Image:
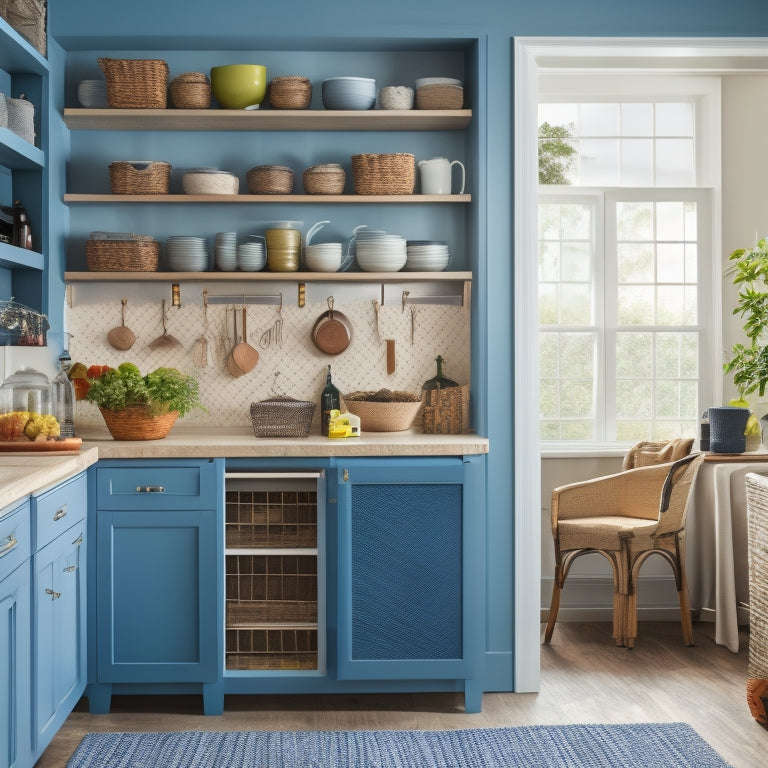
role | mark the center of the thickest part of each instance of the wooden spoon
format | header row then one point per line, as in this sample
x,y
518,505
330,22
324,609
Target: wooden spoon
x,y
120,337
232,366
244,355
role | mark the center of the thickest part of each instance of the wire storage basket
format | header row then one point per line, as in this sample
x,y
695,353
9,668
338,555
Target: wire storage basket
x,y
151,179
326,179
121,252
135,83
270,180
191,90
282,417
392,174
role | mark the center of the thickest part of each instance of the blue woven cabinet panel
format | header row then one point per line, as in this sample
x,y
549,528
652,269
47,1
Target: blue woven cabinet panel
x,y
406,572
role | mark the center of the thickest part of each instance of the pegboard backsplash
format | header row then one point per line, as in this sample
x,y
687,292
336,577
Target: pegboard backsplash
x,y
291,365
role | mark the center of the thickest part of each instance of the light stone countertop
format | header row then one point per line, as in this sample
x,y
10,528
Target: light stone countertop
x,y
22,474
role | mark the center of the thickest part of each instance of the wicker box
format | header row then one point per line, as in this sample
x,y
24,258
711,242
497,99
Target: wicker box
x,y
28,18
393,174
439,96
191,90
126,179
446,411
270,180
290,92
122,253
135,83
282,417
326,179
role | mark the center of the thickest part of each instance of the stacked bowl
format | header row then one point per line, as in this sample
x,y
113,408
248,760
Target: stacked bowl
x,y
323,257
378,251
251,256
92,94
185,253
427,256
225,251
349,93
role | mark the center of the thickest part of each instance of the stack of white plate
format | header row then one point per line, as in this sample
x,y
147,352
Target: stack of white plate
x,y
323,257
92,94
349,93
427,256
225,250
251,257
377,251
185,253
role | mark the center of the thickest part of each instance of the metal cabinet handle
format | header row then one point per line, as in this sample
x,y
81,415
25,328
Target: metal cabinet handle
x,y
71,568
150,489
8,546
54,595
78,541
61,512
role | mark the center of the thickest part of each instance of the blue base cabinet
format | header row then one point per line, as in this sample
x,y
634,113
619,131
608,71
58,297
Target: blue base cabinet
x,y
158,577
410,577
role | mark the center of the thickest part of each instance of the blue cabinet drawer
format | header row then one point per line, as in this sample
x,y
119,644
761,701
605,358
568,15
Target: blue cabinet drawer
x,y
56,510
181,484
15,539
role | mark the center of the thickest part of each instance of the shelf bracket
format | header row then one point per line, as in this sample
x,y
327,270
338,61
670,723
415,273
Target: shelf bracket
x,y
302,294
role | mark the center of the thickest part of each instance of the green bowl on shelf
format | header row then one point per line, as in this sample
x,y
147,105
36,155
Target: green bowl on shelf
x,y
237,86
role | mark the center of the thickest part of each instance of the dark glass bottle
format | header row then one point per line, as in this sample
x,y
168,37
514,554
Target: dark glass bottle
x,y
330,400
439,381
22,232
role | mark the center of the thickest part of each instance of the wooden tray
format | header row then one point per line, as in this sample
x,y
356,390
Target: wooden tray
x,y
66,445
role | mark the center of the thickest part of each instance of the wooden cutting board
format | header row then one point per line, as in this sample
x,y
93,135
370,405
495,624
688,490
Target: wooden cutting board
x,y
65,445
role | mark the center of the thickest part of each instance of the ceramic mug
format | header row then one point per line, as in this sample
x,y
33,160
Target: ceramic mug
x,y
435,176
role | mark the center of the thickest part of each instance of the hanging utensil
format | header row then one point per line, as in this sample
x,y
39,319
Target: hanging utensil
x,y
201,353
121,337
244,355
332,332
165,341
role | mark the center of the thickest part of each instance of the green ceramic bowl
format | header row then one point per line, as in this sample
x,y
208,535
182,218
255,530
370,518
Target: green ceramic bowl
x,y
237,86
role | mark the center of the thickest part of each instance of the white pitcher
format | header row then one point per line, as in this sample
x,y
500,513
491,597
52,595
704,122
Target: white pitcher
x,y
435,175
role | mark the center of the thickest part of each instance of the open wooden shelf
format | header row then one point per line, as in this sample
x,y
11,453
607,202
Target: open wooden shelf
x,y
302,277
73,198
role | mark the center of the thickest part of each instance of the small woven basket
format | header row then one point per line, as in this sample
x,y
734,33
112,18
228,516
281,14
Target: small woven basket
x,y
195,183
21,118
126,179
135,422
290,92
28,18
393,174
446,411
282,417
383,417
327,179
439,96
726,429
270,180
128,253
135,83
191,90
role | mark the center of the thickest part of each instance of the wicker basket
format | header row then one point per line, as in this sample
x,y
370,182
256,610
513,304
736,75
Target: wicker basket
x,y
439,97
126,253
328,179
282,417
270,180
203,183
135,83
383,417
135,422
21,118
191,90
446,411
393,174
126,179
27,17
290,92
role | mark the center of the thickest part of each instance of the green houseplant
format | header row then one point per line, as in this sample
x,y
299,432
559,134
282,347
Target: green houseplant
x,y
137,407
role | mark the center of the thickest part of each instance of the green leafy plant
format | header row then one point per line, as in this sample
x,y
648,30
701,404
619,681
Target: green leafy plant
x,y
555,153
749,362
162,390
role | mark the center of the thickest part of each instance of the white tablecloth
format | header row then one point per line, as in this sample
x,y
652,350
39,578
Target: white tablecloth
x,y
716,554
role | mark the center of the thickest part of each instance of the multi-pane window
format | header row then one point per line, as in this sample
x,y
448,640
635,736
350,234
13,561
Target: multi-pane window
x,y
623,275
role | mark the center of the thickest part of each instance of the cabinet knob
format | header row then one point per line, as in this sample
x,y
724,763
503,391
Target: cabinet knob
x,y
150,489
10,544
54,595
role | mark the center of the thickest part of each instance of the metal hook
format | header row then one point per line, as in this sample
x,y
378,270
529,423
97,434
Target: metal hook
x,y
405,299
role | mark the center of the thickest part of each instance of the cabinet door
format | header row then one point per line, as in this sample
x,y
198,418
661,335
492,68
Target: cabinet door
x,y
409,585
59,638
157,586
15,729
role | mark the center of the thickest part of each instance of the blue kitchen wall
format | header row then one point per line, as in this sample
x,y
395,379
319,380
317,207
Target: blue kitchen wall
x,y
488,25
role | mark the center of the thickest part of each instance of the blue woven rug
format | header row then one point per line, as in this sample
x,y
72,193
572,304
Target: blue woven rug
x,y
647,745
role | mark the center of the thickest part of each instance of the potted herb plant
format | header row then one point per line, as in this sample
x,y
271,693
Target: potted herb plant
x,y
137,407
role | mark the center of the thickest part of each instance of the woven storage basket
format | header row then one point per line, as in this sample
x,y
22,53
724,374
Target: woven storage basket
x,y
135,422
290,92
135,83
393,174
446,411
223,183
270,180
125,179
134,253
282,417
27,17
191,90
21,118
328,179
726,429
383,417
439,97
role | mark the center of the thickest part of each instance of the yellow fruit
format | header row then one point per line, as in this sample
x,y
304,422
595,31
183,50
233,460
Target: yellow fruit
x,y
77,371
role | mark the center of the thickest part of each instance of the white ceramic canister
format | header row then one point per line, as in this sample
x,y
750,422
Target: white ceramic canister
x,y
435,176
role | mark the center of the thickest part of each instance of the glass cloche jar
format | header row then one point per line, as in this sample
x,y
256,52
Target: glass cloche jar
x,y
26,390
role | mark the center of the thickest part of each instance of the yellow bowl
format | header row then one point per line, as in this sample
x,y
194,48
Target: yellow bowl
x,y
237,86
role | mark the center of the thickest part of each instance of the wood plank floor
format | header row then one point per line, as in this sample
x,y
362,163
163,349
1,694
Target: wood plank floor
x,y
585,678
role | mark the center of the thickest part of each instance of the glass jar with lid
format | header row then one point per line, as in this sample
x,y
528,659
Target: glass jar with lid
x,y
26,390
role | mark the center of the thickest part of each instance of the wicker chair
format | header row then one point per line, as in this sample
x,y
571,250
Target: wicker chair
x,y
646,453
625,517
